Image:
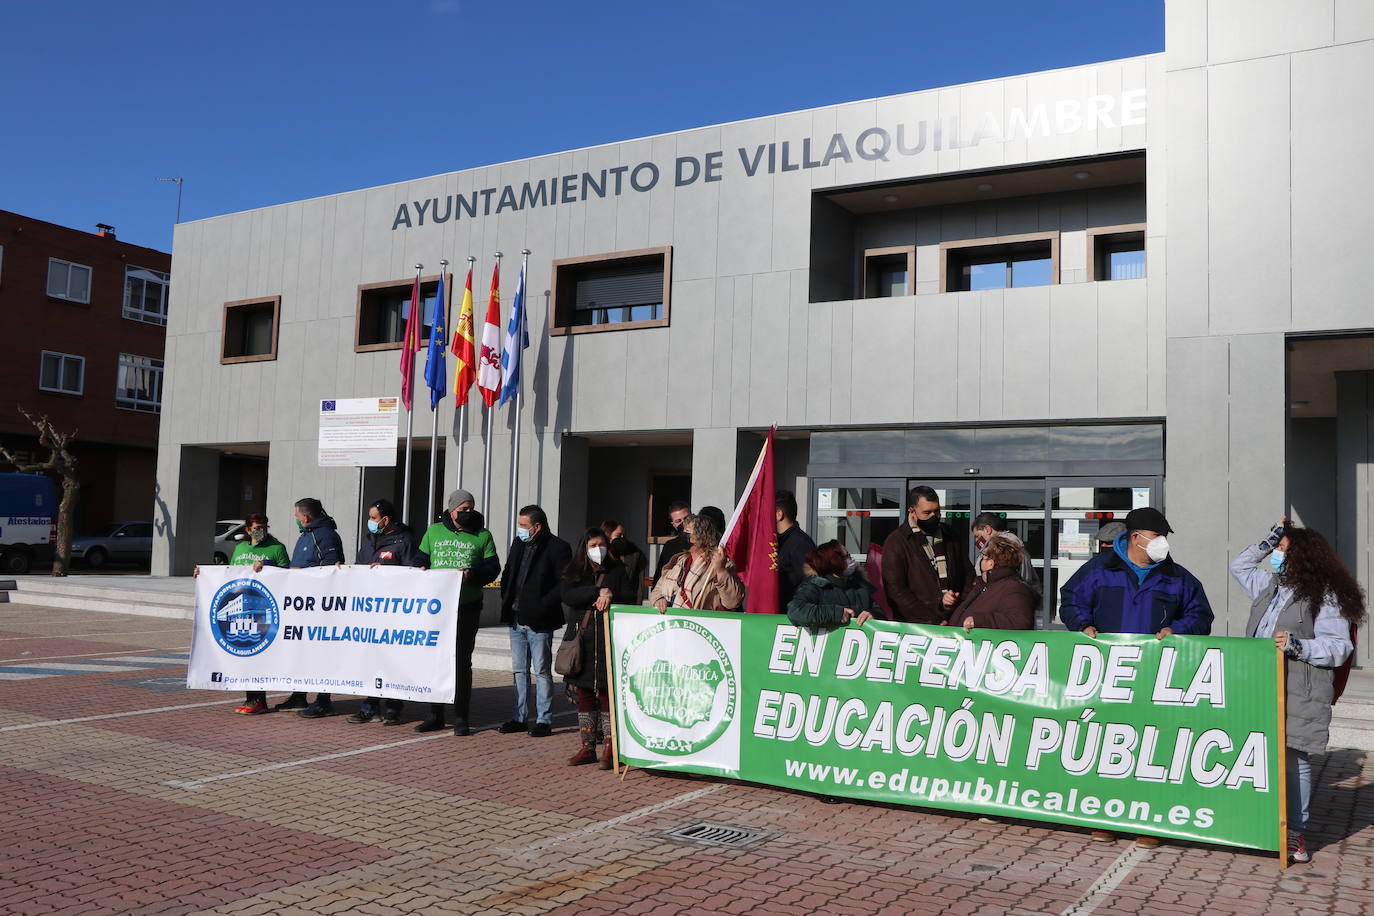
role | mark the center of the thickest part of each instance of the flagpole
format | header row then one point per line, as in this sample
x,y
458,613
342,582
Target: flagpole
x,y
519,395
410,412
460,425
434,408
486,461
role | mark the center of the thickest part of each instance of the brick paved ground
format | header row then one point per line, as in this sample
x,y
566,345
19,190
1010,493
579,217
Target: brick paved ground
x,y
123,814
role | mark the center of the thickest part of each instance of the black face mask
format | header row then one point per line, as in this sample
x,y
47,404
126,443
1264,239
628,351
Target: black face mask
x,y
929,525
469,521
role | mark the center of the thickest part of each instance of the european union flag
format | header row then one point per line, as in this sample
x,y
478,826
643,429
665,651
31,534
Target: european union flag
x,y
436,373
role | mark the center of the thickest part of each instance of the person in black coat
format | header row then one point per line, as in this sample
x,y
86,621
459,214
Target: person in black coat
x,y
592,582
388,542
678,510
532,606
628,554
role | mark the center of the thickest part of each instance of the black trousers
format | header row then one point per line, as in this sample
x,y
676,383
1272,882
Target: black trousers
x,y
469,621
390,706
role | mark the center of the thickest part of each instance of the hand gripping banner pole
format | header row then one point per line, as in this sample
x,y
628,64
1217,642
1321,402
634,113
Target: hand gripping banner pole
x,y
610,692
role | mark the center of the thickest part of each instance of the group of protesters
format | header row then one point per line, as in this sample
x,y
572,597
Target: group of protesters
x,y
1304,599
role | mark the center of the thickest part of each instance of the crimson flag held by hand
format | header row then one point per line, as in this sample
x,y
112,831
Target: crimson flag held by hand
x,y
751,537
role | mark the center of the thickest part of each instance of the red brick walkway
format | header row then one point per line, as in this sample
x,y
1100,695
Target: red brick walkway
x,y
144,813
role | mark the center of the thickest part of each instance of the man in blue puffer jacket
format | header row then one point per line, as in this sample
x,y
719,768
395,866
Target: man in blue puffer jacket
x,y
1137,587
319,544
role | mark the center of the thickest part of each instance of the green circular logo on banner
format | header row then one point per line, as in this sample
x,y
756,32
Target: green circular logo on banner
x,y
679,692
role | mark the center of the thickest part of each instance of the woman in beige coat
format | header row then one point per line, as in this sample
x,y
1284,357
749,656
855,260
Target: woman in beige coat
x,y
701,577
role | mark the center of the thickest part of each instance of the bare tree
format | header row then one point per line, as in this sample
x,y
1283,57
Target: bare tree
x,y
60,461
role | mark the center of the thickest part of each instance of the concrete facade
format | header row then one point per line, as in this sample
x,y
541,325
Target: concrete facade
x,y
1244,152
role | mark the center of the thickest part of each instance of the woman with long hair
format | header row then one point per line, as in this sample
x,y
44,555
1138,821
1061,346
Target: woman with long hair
x,y
592,582
702,576
1310,605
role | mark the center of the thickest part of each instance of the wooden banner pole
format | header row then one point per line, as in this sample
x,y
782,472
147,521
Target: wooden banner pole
x,y
610,691
1283,760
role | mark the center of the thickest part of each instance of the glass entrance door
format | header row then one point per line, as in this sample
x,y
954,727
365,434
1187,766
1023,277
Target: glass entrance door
x,y
1056,518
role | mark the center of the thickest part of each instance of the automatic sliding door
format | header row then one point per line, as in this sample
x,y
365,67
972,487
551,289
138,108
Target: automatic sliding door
x,y
1079,509
856,512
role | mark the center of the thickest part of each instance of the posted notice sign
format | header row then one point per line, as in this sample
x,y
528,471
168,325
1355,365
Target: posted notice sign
x,y
1176,737
359,432
386,631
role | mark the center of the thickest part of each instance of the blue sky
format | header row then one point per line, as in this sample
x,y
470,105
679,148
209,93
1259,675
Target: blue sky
x,y
259,103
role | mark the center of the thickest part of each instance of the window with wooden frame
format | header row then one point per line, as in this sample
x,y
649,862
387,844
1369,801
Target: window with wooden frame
x,y
1117,252
1003,262
889,272
611,292
383,309
250,330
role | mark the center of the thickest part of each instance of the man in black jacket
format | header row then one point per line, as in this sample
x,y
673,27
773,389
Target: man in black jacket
x,y
533,609
388,542
793,546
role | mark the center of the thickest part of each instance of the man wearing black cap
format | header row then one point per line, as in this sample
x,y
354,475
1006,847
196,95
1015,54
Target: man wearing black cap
x,y
1136,588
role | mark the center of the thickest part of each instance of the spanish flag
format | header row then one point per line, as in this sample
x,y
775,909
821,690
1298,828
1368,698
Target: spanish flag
x,y
464,347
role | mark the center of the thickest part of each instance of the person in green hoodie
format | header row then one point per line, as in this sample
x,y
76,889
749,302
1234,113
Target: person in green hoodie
x,y
460,540
257,549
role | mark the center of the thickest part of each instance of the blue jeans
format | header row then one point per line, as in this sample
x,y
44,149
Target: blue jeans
x,y
1299,790
532,647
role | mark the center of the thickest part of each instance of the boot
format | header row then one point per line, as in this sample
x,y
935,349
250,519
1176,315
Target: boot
x,y
607,762
586,729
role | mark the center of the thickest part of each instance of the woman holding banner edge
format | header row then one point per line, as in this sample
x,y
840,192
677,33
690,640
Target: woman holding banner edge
x,y
1310,605
592,582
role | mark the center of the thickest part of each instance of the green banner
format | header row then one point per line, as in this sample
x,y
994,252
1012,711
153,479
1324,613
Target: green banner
x,y
1176,737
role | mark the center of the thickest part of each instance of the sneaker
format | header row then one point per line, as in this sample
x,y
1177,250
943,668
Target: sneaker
x,y
1148,842
513,726
460,729
430,725
361,716
586,754
316,711
1103,836
391,719
541,730
1297,848
255,708
295,701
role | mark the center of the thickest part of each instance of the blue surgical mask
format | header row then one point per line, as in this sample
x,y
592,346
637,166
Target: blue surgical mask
x,y
522,533
1278,559
374,527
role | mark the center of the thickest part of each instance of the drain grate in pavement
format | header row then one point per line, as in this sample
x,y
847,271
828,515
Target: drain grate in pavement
x,y
719,835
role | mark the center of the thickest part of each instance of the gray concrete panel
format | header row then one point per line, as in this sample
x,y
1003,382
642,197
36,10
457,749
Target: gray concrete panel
x,y
1354,20
1249,255
1246,29
884,349
1332,197
1124,365
1198,455
1026,353
1074,350
1186,173
713,468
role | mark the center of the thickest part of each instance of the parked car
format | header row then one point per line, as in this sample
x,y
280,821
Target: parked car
x,y
120,542
28,510
228,533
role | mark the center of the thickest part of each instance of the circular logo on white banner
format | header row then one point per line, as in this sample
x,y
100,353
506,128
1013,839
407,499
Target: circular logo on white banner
x,y
244,617
679,690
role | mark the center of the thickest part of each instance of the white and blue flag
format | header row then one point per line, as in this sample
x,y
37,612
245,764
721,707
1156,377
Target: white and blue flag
x,y
517,340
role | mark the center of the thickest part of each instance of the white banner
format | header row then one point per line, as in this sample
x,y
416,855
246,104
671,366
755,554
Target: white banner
x,y
386,631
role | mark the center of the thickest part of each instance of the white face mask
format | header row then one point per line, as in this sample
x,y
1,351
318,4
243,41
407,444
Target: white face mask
x,y
1157,549
850,565
596,554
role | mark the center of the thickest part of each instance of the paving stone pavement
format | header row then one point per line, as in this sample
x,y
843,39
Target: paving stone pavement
x,y
122,797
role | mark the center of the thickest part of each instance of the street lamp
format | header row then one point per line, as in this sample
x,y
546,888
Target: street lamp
x,y
178,182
